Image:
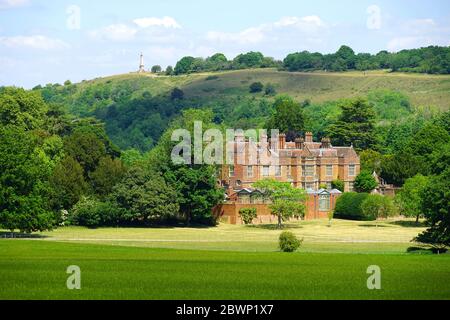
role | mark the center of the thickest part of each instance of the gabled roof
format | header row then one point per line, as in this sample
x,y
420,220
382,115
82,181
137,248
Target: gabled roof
x,y
346,152
323,191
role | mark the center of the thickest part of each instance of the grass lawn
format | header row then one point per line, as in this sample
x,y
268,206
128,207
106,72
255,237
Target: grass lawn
x,y
226,262
36,270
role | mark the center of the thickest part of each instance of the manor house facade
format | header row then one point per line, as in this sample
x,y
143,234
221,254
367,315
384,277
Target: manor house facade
x,y
304,163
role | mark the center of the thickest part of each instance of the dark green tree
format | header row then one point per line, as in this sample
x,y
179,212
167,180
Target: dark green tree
x,y
107,174
287,117
436,209
256,87
185,65
355,125
144,197
169,71
195,184
68,184
156,69
396,169
86,148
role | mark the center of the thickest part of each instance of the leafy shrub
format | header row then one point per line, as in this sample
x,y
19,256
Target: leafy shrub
x,y
348,206
85,213
256,87
177,94
209,78
338,185
270,90
376,206
365,182
92,213
288,242
248,214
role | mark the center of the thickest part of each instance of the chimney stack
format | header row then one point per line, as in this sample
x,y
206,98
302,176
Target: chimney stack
x,y
309,137
299,143
326,143
282,141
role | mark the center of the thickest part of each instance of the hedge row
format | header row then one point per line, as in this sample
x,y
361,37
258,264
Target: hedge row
x,y
348,206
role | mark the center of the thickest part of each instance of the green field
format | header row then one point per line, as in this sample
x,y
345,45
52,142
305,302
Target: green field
x,y
227,262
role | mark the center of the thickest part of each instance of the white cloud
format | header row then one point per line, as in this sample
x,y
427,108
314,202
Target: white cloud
x,y
269,32
307,23
166,22
158,30
115,32
9,4
247,36
419,33
34,42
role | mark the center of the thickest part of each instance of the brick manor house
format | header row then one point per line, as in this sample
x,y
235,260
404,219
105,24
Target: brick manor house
x,y
304,163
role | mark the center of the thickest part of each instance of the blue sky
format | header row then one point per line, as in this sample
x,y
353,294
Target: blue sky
x,y
43,41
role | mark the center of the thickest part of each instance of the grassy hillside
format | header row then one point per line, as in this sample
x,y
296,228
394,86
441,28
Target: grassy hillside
x,y
137,108
422,89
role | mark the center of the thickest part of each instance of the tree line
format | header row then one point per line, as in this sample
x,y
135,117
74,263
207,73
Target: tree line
x,y
432,60
57,169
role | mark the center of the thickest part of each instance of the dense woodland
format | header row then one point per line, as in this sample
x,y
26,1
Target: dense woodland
x,y
433,60
106,160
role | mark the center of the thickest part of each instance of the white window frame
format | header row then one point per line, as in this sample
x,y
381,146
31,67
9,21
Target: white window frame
x,y
351,170
277,171
329,170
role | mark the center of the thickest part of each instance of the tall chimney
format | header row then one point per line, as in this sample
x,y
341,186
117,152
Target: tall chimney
x,y
326,143
309,137
299,143
281,141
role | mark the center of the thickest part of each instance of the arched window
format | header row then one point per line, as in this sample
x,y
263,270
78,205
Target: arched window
x,y
324,202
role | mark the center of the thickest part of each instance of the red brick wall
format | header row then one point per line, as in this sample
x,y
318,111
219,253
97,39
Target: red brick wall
x,y
229,212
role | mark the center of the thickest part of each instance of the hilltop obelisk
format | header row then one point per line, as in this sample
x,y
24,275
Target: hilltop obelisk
x,y
141,64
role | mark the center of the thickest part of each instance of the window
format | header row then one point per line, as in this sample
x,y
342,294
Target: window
x,y
278,171
309,171
324,202
351,170
249,171
329,170
351,186
309,186
231,171
289,171
266,170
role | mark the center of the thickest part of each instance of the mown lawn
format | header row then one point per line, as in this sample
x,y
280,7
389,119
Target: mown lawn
x,y
35,269
390,237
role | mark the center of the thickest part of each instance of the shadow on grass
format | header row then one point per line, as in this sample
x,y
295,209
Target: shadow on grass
x,y
409,224
20,235
274,226
156,226
373,226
